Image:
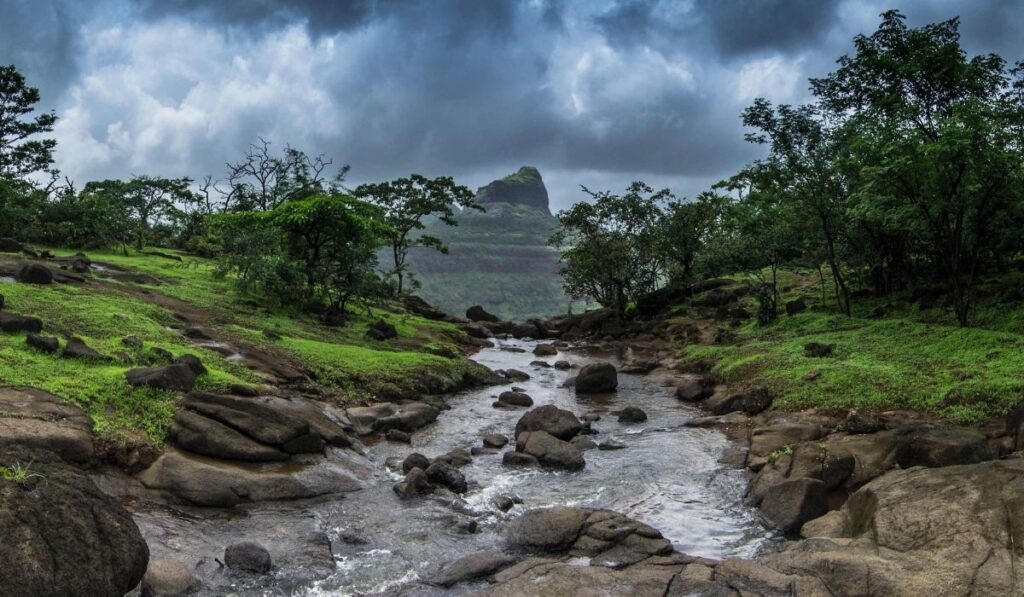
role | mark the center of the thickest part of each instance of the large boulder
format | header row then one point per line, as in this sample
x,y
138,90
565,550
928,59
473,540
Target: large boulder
x,y
515,399
168,578
546,530
472,567
550,451
36,419
34,273
545,350
380,417
941,446
788,505
43,343
76,348
560,423
478,313
9,245
249,557
694,387
12,323
177,376
446,475
62,535
596,378
751,400
193,432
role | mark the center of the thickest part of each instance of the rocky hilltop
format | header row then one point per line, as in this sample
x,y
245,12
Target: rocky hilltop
x,y
498,258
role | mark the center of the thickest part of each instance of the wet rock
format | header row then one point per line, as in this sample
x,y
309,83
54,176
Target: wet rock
x,y
34,273
378,418
516,375
545,530
76,348
12,323
610,445
478,313
515,399
381,330
43,343
788,505
550,451
632,414
583,443
207,482
596,378
475,330
513,349
503,503
250,557
751,400
63,536
560,423
456,457
35,419
472,567
858,421
768,438
415,460
525,331
495,440
563,365
935,447
540,364
448,476
196,433
482,451
518,459
414,485
545,350
818,350
168,578
170,377
694,387
394,435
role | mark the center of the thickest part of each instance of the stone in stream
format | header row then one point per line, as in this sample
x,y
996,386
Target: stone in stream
x,y
632,414
545,350
597,378
495,440
472,567
378,418
515,399
168,578
394,435
694,387
517,459
415,460
456,457
788,505
478,313
563,365
550,451
248,556
448,476
752,400
540,364
610,445
516,375
503,502
415,484
43,343
583,443
560,423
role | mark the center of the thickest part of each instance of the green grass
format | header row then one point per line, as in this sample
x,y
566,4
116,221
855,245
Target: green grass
x,y
901,362
18,473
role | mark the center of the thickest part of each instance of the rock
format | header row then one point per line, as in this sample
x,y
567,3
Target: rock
x,y
503,502
751,400
934,447
563,365
472,567
596,378
768,438
196,333
11,323
268,421
788,505
250,557
540,364
207,482
560,423
192,362
545,350
380,417
516,375
610,445
448,476
525,331
80,265
394,435
170,377
545,530
414,485
34,273
475,330
63,536
515,399
43,343
694,387
550,451
495,440
381,330
478,313
35,419
796,307
132,342
632,414
817,349
201,435
76,348
415,460
9,245
243,390
456,457
417,305
159,355
168,578
516,459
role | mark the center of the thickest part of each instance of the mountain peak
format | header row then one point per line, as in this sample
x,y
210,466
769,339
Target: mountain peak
x,y
524,187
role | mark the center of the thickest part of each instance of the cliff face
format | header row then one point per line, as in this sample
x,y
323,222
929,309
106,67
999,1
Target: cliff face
x,y
498,258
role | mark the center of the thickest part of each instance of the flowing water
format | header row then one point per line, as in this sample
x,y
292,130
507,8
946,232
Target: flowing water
x,y
370,542
667,476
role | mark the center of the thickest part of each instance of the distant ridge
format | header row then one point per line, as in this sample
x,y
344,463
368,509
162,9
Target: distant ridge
x,y
525,187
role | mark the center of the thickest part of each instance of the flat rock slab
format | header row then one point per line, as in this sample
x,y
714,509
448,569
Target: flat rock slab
x,y
380,417
37,419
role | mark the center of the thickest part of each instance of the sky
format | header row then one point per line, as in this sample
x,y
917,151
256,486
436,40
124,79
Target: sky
x,y
592,92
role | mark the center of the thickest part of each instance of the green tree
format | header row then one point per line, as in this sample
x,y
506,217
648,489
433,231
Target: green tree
x,y
262,181
610,248
406,203
144,200
685,228
21,151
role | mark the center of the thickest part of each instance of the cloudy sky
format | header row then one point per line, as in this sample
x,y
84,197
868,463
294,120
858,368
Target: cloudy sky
x,y
595,92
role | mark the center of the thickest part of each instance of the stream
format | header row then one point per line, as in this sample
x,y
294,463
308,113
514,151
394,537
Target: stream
x,y
371,542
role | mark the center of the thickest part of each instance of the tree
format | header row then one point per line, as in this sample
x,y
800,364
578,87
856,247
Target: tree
x,y
21,153
684,229
261,181
610,249
938,141
405,203
144,199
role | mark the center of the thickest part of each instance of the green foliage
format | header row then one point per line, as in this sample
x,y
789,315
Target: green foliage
x,y
21,153
18,473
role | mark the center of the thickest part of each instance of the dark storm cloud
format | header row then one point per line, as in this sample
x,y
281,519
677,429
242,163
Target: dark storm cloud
x,y
592,91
